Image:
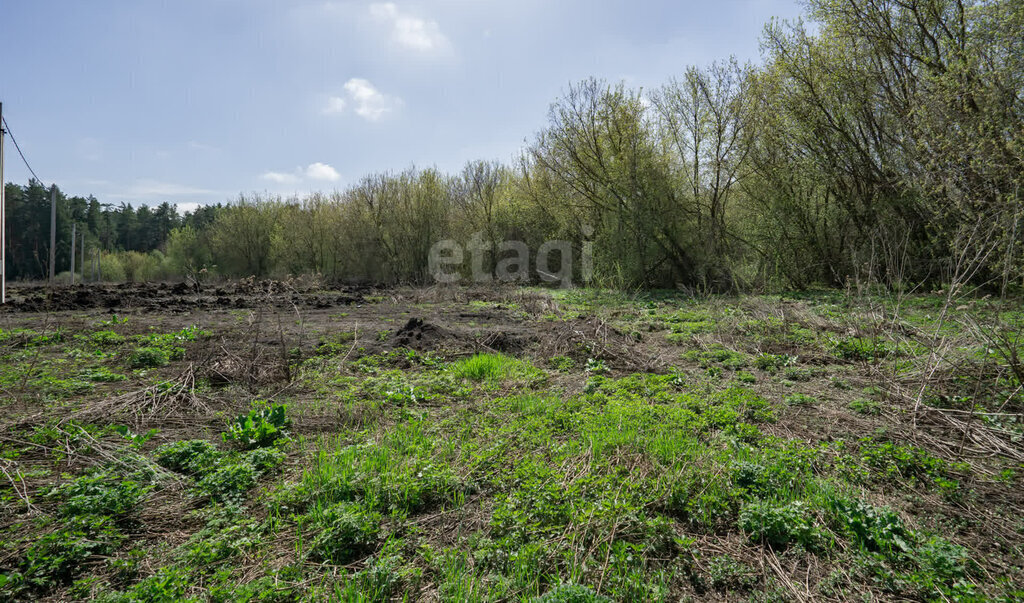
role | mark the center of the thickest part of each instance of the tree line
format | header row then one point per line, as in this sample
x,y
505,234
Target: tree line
x,y
880,140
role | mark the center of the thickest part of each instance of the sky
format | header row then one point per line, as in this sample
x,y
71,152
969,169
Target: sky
x,y
198,101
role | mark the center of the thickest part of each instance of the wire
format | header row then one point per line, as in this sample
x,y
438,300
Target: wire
x,y
8,130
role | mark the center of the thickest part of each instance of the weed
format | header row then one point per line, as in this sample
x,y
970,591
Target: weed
x,y
799,399
780,526
262,426
148,357
866,406
344,533
571,593
191,457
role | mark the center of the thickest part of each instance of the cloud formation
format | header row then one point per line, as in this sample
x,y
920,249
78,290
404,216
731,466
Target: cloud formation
x,y
365,99
317,171
409,31
322,171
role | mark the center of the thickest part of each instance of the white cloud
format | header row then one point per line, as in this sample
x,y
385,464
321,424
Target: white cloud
x,y
414,33
322,171
184,208
370,104
335,104
280,177
314,171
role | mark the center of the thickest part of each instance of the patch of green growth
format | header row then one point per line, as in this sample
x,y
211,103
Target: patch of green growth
x,y
571,593
229,532
262,426
228,483
106,339
400,473
726,573
745,377
562,364
771,363
190,457
683,325
342,533
58,557
797,374
717,355
781,525
494,368
339,343
148,357
866,406
169,583
865,349
102,494
799,399
102,374
897,463
875,529
596,366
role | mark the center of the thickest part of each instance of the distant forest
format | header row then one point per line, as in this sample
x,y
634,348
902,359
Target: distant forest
x,y
884,143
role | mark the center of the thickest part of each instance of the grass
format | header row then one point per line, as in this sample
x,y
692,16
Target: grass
x,y
762,452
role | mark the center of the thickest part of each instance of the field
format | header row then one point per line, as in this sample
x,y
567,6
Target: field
x,y
275,441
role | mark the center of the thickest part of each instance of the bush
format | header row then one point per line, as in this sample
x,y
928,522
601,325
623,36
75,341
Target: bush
x,y
261,427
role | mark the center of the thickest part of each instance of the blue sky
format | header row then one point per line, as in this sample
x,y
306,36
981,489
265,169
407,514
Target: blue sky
x,y
196,101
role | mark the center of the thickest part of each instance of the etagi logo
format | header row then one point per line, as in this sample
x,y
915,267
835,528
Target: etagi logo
x,y
448,257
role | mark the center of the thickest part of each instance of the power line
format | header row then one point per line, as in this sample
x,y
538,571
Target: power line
x,y
9,133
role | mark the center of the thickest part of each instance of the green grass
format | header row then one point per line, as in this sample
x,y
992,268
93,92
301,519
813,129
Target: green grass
x,y
492,368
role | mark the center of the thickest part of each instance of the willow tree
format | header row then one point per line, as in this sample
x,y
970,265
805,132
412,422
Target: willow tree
x,y
599,142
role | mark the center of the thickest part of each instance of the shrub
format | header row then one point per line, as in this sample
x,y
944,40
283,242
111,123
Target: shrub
x,y
261,427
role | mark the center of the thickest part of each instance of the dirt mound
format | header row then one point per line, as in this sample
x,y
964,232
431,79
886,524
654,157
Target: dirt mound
x,y
420,335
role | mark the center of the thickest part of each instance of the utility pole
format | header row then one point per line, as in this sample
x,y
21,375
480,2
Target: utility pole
x,y
73,241
53,234
3,216
83,254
